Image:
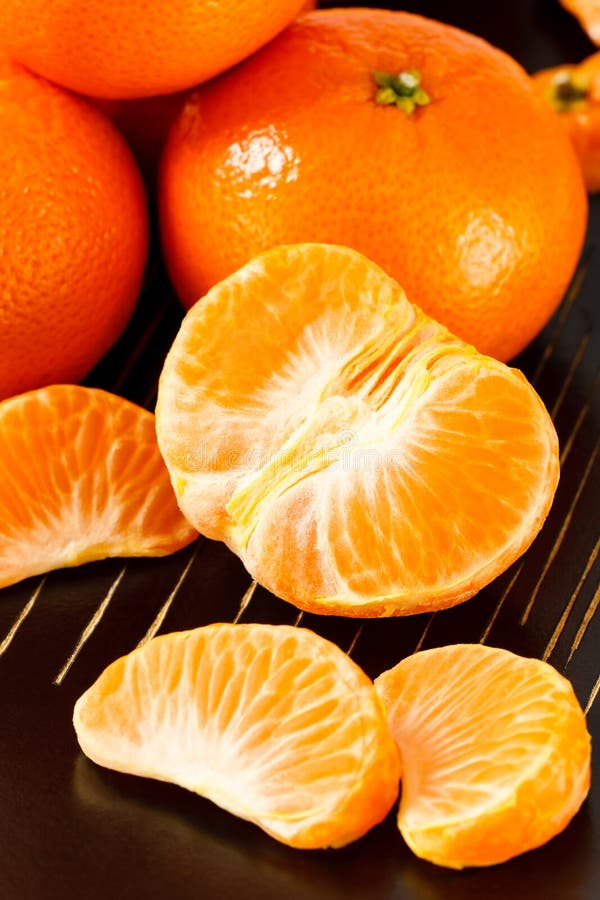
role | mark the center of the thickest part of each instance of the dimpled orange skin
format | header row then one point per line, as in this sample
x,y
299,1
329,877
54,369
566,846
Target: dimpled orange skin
x,y
474,203
579,117
73,233
111,48
145,122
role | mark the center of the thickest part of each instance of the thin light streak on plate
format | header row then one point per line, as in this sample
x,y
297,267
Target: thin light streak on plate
x,y
21,617
579,422
579,354
571,603
425,632
589,615
248,595
90,627
354,640
501,603
593,695
561,535
160,617
563,315
141,344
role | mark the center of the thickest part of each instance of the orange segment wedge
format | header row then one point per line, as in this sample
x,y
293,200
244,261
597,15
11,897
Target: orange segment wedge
x,y
81,478
273,723
495,752
359,458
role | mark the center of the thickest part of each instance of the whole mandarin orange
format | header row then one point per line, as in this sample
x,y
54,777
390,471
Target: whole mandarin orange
x,y
73,233
419,145
108,48
573,92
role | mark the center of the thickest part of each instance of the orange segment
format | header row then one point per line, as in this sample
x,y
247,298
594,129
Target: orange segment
x,y
81,478
495,752
273,723
358,457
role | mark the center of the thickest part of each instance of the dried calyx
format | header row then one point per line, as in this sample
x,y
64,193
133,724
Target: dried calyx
x,y
566,90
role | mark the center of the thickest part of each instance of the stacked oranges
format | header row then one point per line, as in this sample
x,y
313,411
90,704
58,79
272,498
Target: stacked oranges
x,y
417,144
74,231
317,165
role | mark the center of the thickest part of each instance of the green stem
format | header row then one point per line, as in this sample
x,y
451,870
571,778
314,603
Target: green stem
x,y
402,90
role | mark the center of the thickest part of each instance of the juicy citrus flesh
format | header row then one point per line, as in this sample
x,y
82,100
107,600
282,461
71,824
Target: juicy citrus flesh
x,y
588,13
106,48
273,723
73,234
359,458
81,478
495,752
460,201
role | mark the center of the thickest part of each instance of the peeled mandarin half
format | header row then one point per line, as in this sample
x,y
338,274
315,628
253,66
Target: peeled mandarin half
x,y
359,458
273,723
495,752
81,478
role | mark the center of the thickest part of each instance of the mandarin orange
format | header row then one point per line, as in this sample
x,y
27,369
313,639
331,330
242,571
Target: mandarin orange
x,y
73,233
145,122
588,14
413,142
573,91
495,752
358,457
81,479
107,48
273,723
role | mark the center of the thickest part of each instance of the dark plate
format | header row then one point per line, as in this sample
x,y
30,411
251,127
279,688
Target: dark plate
x,y
71,830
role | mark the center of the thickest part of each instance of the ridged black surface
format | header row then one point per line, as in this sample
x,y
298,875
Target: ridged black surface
x,y
71,830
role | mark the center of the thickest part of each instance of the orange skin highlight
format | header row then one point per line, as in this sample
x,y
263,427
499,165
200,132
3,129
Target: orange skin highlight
x,y
458,199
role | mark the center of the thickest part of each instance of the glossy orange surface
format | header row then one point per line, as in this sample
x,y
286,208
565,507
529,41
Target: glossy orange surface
x,y
458,201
